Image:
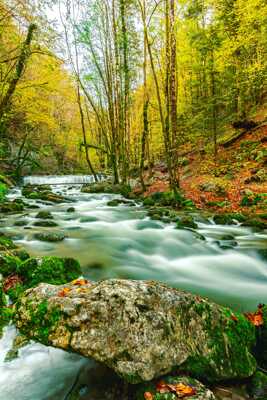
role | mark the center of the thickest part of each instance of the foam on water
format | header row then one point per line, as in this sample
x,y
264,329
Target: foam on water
x,y
39,373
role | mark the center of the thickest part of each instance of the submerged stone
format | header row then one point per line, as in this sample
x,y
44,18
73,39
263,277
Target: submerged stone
x,y
50,236
186,222
45,223
140,329
44,215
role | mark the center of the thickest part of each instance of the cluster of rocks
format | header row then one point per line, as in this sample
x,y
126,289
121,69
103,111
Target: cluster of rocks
x,y
43,192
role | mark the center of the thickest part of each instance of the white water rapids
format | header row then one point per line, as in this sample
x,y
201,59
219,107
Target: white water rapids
x,y
123,242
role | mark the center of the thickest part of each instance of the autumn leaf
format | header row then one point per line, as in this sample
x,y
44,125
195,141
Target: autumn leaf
x,y
80,282
64,292
11,282
257,317
184,390
148,396
179,389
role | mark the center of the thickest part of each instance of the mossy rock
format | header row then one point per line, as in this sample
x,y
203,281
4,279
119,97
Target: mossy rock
x,y
8,264
44,215
11,207
6,243
239,217
53,270
190,333
21,222
27,268
3,191
114,203
45,223
223,219
148,201
257,387
42,193
70,210
21,254
186,222
50,236
255,223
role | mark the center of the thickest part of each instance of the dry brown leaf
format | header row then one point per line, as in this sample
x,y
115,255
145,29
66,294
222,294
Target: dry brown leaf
x,y
64,292
257,317
80,282
148,396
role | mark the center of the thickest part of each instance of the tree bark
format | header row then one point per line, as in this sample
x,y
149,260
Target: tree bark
x,y
20,67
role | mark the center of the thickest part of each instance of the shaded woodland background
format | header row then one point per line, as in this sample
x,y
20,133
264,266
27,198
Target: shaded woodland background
x,y
122,86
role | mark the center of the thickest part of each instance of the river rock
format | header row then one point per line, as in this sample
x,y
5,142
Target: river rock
x,y
45,223
44,215
50,236
140,329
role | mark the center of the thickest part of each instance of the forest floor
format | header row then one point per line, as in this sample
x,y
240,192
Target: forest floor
x,y
236,183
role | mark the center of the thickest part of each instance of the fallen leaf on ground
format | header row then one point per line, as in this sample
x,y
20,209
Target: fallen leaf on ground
x,y
148,396
256,318
179,389
11,282
80,282
64,292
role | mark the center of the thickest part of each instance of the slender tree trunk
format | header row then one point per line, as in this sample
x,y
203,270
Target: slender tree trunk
x,y
21,64
84,135
126,91
173,96
214,108
145,111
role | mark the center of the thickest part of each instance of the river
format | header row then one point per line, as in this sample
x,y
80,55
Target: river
x,y
123,242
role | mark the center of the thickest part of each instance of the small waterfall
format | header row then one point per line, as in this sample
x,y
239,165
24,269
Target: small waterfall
x,y
60,179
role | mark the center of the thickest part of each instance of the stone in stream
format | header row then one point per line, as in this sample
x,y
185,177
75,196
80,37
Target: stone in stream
x,y
50,236
70,209
42,193
140,329
45,223
44,215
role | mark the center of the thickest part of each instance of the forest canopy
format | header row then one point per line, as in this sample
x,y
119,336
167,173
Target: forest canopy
x,y
119,85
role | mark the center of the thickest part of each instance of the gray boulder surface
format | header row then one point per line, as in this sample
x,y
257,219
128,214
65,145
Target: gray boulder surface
x,y
140,329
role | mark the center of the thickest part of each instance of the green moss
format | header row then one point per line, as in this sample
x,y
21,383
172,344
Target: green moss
x,y
26,269
257,387
54,270
43,318
6,313
3,191
231,339
6,243
8,264
186,222
45,223
44,215
15,292
223,219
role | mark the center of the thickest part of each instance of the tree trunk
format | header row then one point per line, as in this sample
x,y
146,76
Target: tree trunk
x,y
21,64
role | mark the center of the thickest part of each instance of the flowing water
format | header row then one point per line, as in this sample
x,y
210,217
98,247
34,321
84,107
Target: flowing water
x,y
122,242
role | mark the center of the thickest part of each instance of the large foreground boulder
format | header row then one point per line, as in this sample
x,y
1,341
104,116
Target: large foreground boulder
x,y
141,329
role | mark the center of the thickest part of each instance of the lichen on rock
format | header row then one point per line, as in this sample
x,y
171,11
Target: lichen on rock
x,y
140,329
